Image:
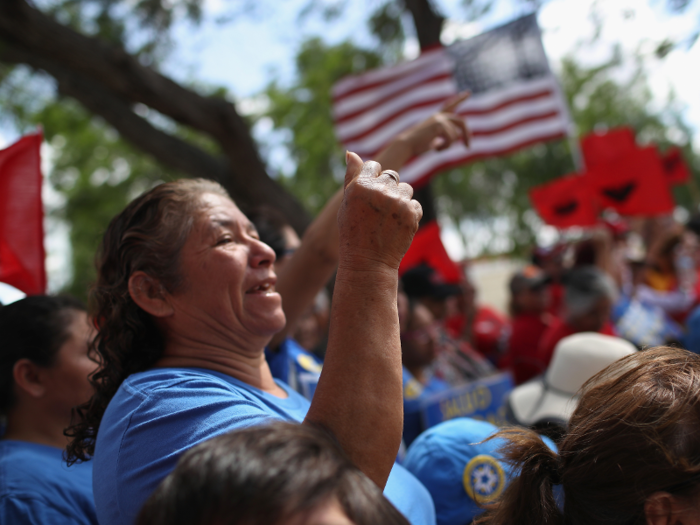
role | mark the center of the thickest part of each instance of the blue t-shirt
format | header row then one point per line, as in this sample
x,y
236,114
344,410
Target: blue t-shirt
x,y
296,366
37,487
414,393
692,337
157,415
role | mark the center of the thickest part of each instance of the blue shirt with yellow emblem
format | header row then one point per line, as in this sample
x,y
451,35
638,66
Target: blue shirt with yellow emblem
x,y
296,366
414,393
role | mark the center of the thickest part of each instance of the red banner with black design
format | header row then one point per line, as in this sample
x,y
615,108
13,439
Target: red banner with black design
x,y
634,184
603,148
565,202
620,175
21,216
675,168
427,248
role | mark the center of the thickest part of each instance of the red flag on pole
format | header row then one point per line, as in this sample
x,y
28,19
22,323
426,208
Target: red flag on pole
x,y
603,148
675,167
565,202
21,216
634,184
427,248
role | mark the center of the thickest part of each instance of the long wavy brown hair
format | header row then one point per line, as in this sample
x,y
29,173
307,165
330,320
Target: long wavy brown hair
x,y
147,236
635,431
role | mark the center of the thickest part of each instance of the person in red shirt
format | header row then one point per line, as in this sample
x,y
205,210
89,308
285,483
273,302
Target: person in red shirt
x,y
530,319
589,294
481,327
552,262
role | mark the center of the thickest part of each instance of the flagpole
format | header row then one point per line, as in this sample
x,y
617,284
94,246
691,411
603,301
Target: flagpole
x,y
574,145
576,153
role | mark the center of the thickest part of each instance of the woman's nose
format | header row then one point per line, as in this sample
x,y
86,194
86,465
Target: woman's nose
x,y
261,254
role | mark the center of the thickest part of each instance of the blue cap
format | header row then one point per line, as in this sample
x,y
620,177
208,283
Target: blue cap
x,y
458,469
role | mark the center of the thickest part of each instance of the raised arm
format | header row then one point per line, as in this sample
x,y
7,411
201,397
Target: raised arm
x,y
359,395
313,264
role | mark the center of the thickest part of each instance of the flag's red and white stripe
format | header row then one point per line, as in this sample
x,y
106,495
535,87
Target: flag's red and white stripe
x,y
373,108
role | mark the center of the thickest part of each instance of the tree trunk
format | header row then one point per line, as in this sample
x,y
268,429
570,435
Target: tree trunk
x,y
428,25
109,82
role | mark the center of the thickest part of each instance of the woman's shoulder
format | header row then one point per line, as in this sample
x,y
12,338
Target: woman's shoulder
x,y
164,378
161,391
171,382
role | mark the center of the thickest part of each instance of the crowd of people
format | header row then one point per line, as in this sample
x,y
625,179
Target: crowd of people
x,y
215,379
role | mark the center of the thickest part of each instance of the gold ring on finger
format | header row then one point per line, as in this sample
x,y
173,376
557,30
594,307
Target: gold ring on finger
x,y
392,174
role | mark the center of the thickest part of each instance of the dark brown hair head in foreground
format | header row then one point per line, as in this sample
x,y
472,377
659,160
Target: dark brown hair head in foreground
x,y
632,449
266,475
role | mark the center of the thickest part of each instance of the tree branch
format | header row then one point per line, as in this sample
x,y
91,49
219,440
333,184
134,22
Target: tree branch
x,y
116,80
427,21
428,24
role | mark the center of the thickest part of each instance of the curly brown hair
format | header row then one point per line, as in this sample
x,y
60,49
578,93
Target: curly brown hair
x,y
635,432
147,236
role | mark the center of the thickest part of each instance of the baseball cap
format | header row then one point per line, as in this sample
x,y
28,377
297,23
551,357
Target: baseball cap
x,y
528,278
552,396
459,469
424,281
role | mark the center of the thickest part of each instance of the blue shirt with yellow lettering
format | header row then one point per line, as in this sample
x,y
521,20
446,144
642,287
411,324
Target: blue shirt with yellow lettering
x,y
414,393
296,366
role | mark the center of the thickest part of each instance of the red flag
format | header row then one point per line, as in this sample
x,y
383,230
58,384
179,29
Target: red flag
x,y
634,184
21,216
427,248
603,148
564,202
675,167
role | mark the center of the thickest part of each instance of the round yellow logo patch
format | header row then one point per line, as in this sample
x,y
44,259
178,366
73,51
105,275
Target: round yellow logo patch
x,y
412,389
307,363
483,478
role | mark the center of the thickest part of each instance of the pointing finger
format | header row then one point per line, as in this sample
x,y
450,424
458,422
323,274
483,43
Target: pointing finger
x,y
464,130
453,103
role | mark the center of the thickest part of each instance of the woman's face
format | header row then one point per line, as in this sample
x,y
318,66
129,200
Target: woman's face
x,y
419,342
594,320
531,300
67,380
228,278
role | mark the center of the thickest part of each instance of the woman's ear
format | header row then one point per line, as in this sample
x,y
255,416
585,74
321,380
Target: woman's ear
x,y
662,508
28,378
149,294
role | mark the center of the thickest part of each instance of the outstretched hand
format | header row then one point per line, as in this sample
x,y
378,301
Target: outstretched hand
x,y
378,217
439,131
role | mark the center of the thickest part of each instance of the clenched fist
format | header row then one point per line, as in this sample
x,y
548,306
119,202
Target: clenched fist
x,y
377,219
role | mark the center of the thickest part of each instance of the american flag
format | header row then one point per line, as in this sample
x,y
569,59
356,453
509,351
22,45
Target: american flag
x,y
515,102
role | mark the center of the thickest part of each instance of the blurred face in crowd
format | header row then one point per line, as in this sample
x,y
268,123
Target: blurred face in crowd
x,y
437,307
419,342
67,382
466,301
553,265
291,243
310,328
594,319
532,300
